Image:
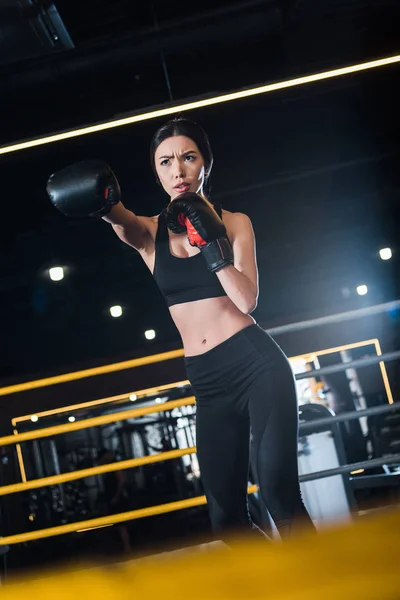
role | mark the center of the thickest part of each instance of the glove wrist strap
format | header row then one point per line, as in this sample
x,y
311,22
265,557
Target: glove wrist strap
x,y
218,254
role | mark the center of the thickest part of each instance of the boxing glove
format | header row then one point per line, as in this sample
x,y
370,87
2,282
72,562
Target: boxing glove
x,y
87,188
205,229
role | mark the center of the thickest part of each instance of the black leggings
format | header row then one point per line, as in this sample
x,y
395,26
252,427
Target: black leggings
x,y
244,383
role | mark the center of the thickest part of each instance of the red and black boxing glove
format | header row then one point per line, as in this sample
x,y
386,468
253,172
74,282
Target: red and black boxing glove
x,y
191,213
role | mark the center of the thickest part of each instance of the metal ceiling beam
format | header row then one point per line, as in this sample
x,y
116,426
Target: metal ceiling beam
x,y
30,29
265,19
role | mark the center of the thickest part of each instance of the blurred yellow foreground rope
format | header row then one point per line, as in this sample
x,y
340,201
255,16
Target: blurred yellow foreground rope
x,y
359,561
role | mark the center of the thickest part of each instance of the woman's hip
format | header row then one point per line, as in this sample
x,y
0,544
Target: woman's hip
x,y
234,362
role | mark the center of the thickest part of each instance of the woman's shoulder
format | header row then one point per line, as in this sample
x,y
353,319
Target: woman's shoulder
x,y
235,218
149,222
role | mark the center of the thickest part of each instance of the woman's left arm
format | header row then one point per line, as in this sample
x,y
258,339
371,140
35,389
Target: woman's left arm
x,y
240,280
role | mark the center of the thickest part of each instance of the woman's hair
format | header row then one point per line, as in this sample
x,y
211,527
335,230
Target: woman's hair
x,y
190,129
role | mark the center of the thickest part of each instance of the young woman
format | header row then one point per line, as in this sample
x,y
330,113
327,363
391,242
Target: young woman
x,y
203,259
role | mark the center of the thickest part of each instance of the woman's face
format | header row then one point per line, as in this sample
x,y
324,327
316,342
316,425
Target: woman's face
x,y
180,166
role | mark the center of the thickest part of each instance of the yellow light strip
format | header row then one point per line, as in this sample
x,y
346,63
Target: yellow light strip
x,y
20,461
112,368
92,528
94,421
385,378
109,400
100,469
109,520
358,471
336,349
374,342
346,347
247,93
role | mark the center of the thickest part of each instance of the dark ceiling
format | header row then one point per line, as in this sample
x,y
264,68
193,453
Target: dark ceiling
x,y
315,167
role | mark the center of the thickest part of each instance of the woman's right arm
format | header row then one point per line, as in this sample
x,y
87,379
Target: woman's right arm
x,y
130,228
90,188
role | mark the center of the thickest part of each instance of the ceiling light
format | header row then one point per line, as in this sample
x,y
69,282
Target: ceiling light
x,y
56,273
116,311
362,290
385,253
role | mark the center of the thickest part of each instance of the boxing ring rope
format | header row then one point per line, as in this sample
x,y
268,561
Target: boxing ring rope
x,y
138,412
174,506
131,515
304,429
360,561
354,364
171,454
101,420
343,469
349,416
112,368
144,393
337,318
146,360
99,470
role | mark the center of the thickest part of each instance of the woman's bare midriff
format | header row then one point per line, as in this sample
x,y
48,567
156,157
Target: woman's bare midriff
x,y
204,324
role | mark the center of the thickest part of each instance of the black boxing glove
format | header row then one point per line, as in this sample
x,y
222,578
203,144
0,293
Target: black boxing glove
x,y
87,188
191,213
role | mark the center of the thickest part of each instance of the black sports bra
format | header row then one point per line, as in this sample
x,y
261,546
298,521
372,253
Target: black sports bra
x,y
182,279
